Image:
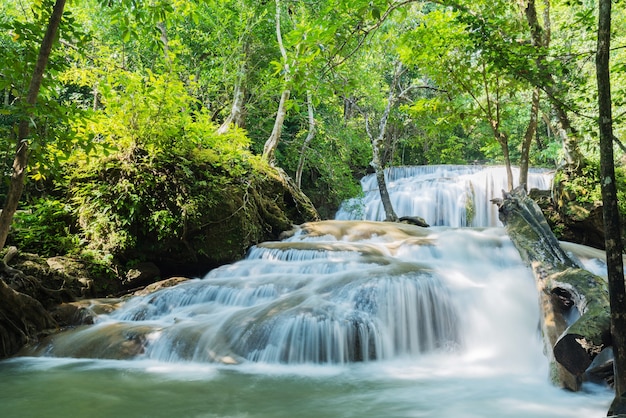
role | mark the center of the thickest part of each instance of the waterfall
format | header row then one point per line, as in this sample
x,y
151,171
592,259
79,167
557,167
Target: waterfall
x,y
456,196
344,318
335,292
322,296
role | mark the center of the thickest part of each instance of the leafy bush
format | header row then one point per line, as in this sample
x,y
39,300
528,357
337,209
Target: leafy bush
x,y
163,170
585,188
44,227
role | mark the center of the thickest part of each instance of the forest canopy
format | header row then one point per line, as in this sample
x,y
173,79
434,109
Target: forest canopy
x,y
135,92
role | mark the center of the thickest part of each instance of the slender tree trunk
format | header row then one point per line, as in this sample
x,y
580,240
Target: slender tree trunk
x,y
20,162
541,39
569,137
269,149
234,117
610,211
492,113
377,144
164,39
379,170
309,137
503,140
531,131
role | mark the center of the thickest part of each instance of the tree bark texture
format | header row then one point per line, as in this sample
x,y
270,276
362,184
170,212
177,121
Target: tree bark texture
x,y
376,163
574,302
378,143
610,211
269,149
236,111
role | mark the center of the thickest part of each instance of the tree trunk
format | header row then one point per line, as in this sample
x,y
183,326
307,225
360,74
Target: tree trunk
x,y
566,291
493,114
269,149
504,144
309,137
569,137
531,131
390,214
235,116
610,211
378,142
20,162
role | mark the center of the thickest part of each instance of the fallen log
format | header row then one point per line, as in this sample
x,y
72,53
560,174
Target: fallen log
x,y
574,302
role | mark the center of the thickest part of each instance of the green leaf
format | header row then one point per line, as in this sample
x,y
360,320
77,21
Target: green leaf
x,y
376,13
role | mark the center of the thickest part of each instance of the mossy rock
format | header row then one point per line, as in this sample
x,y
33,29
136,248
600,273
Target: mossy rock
x,y
243,215
185,215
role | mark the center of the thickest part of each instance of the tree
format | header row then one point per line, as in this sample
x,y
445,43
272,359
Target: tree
x,y
309,137
610,210
544,79
377,141
269,149
20,161
540,38
441,46
235,23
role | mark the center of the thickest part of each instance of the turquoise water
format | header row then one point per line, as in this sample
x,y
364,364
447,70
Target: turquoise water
x,y
438,386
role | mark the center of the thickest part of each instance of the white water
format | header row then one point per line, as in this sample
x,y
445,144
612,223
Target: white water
x,y
455,196
346,318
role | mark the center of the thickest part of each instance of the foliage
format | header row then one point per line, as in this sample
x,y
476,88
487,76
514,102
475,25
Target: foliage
x,y
334,156
168,168
587,188
126,123
44,228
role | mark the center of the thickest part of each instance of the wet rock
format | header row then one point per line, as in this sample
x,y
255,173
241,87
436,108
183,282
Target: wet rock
x,y
72,314
414,220
142,274
173,281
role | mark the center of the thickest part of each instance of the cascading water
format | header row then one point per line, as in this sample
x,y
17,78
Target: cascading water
x,y
443,195
314,298
344,318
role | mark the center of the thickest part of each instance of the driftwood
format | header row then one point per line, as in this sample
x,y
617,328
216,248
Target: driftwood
x,y
574,302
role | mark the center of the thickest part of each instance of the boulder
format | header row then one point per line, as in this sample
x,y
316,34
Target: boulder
x,y
142,274
414,220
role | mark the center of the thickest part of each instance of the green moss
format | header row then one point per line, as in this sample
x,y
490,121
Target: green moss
x,y
181,209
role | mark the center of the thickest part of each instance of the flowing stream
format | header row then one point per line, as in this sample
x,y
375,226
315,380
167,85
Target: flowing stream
x,y
346,318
